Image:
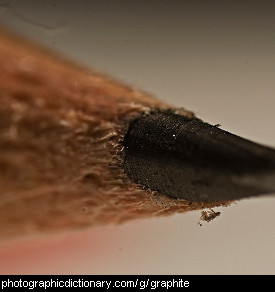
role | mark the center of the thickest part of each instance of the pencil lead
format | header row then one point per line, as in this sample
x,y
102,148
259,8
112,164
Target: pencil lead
x,y
188,159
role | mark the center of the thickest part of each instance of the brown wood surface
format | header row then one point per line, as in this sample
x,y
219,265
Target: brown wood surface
x,y
60,127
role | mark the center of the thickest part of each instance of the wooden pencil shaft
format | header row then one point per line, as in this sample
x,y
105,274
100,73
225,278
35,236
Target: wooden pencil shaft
x,y
60,128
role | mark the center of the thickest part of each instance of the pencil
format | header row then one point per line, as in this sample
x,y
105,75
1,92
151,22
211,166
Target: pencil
x,y
78,149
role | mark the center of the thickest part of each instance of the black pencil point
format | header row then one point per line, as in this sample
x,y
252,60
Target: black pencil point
x,y
189,159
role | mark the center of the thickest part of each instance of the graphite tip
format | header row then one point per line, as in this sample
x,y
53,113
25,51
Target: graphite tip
x,y
188,159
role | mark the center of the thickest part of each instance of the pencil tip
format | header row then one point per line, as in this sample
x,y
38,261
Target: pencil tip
x,y
189,159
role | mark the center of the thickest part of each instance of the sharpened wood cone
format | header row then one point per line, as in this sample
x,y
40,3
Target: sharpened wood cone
x,y
186,158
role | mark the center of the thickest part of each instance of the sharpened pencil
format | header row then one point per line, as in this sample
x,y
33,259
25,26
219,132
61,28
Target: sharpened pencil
x,y
78,149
